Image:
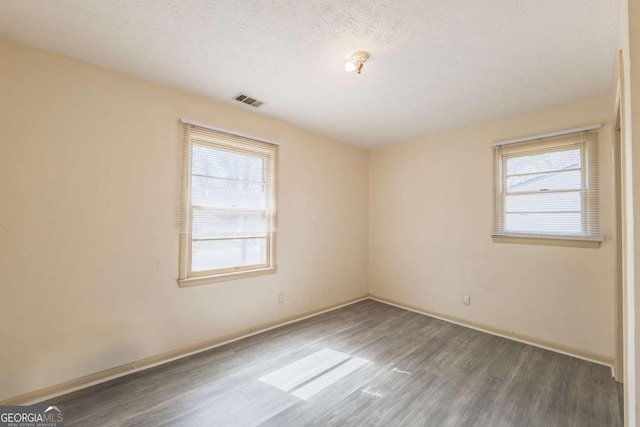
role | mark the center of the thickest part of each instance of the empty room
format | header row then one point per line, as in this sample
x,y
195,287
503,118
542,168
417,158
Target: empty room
x,y
311,213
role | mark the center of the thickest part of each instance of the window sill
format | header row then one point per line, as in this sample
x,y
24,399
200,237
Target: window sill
x,y
546,241
205,280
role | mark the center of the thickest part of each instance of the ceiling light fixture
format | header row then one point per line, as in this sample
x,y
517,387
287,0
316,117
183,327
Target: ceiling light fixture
x,y
356,61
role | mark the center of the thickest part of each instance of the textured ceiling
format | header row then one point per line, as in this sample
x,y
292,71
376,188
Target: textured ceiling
x,y
435,64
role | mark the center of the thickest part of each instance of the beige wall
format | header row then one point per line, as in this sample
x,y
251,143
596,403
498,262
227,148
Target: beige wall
x,y
431,216
88,246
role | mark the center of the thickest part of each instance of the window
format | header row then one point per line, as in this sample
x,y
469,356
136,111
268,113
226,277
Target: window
x,y
227,206
548,187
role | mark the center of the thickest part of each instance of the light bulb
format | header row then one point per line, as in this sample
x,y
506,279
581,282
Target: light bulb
x,y
350,66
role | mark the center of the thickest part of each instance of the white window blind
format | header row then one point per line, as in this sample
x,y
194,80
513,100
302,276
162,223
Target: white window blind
x,y
548,187
227,210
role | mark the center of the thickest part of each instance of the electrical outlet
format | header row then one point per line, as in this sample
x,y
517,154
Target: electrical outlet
x,y
466,300
281,298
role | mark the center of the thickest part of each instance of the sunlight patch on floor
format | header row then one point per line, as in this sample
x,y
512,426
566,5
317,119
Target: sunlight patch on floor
x,y
310,375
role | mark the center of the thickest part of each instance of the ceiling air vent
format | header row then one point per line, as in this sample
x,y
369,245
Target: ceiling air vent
x,y
248,100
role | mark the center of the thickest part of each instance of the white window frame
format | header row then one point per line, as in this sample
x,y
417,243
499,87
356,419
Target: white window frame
x,y
551,142
230,142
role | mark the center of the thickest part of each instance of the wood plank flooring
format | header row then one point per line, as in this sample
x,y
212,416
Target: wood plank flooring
x,y
421,371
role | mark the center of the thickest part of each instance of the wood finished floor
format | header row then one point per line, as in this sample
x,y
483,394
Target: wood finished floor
x,y
423,372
